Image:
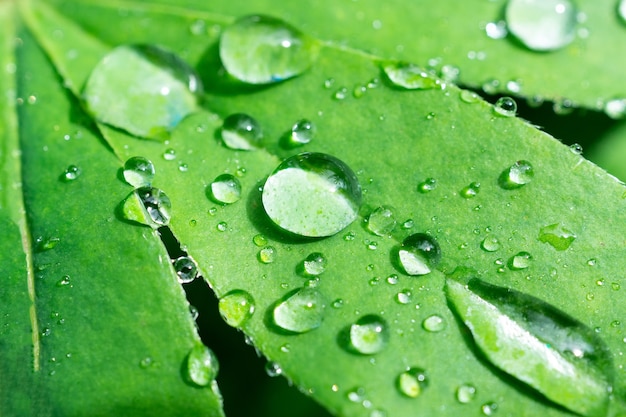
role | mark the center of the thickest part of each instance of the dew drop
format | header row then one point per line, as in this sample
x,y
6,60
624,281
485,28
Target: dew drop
x,y
65,281
469,96
542,25
143,89
381,221
496,30
44,244
505,106
517,175
71,173
521,260
490,244
201,366
225,189
410,76
434,323
404,296
341,93
259,240
261,49
302,132
273,369
621,10
465,393
169,154
427,185
557,235
146,362
267,255
369,335
314,264
616,108
338,303
242,132
301,312
419,254
236,307
186,269
470,191
412,382
149,206
312,195
138,171
576,148
489,408
222,227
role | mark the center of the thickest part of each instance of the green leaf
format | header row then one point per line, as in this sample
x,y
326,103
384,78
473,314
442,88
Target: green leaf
x,y
393,140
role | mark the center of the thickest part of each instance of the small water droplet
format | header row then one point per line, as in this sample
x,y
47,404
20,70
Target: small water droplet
x,y
490,243
242,132
143,89
259,240
404,296
615,286
430,116
392,279
489,408
410,76
225,189
419,254
201,366
427,185
557,235
542,25
138,171
169,154
314,264
470,191
465,393
408,224
496,30
338,303
563,107
64,281
329,82
46,331
576,148
349,237
302,132
198,27
412,382
356,395
146,362
312,195
236,307
369,335
359,91
381,221
43,244
521,260
262,49
222,227
469,96
434,323
183,167
273,369
149,206
517,175
267,255
71,173
300,312
505,106
616,108
186,269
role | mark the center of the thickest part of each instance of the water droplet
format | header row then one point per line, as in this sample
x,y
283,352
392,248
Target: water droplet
x,y
542,25
43,244
138,171
359,91
202,366
469,96
71,173
236,307
349,237
576,148
312,194
496,30
149,206
369,335
427,185
222,227
341,93
259,240
262,49
64,281
186,269
434,323
404,296
408,224
517,175
169,154
273,369
241,131
621,10
338,303
419,254
142,89
302,132
558,236
381,221
615,286
183,167
465,393
410,76
505,106
412,382
267,255
489,409
46,331
146,362
616,108
329,82
301,312
490,243
470,191
356,395
521,260
430,116
314,264
225,189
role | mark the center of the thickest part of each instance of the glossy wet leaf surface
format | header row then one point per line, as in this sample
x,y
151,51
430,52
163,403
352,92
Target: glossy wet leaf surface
x,y
393,140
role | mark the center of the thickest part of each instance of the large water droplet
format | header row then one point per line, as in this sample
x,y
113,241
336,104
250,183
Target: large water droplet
x,y
410,76
225,189
301,312
262,49
369,335
138,171
536,343
542,25
202,365
517,175
621,10
241,131
381,221
312,194
236,307
557,235
412,382
419,254
142,89
149,206
186,269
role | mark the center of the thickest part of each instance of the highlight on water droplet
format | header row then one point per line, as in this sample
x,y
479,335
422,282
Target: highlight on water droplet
x,y
147,205
381,221
186,269
465,393
236,307
201,366
314,264
557,235
262,49
410,76
470,191
225,189
520,260
542,25
517,175
302,132
419,254
138,171
505,106
369,335
301,312
143,89
621,10
242,132
71,173
412,382
312,195
434,323
427,185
